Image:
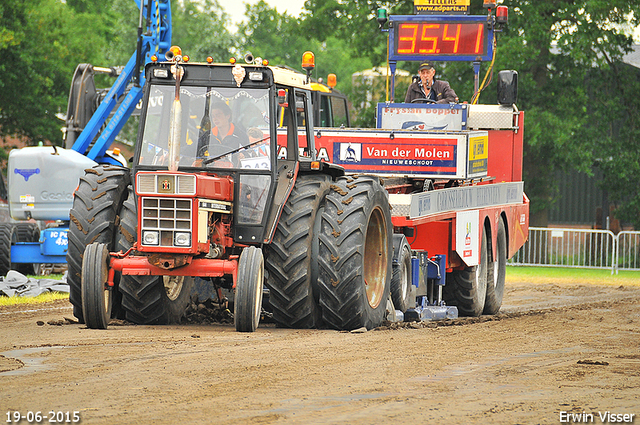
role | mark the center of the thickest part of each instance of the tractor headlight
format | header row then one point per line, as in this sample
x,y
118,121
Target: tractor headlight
x,y
161,73
182,239
150,237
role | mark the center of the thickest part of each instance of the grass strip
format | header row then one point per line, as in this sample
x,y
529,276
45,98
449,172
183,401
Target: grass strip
x,y
568,275
47,297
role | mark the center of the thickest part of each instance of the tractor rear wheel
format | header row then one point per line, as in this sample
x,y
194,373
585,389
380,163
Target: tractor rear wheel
x,y
247,303
148,300
96,295
100,194
467,288
291,258
496,273
355,254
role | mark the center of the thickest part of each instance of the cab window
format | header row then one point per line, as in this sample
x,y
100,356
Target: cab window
x,y
325,112
339,111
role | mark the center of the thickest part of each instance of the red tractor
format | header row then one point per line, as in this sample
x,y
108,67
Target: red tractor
x,y
212,195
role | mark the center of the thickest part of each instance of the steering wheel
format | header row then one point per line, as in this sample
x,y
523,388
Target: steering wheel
x,y
423,100
213,147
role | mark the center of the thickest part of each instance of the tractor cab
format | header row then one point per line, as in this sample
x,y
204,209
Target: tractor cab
x,y
216,126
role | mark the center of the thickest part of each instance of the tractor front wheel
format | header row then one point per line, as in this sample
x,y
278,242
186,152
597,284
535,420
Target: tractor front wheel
x,y
248,299
96,294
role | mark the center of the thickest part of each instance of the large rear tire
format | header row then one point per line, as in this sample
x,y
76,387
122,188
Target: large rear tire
x,y
401,274
467,288
291,258
99,197
496,273
8,237
96,295
247,303
355,254
147,300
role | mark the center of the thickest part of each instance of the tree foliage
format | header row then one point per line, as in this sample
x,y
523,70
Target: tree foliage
x,y
42,42
555,46
40,47
200,28
281,39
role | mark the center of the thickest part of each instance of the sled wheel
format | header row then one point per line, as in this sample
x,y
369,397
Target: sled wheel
x,y
96,294
467,288
248,298
401,275
496,273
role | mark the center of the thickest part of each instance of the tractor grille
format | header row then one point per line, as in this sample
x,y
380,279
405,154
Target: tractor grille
x,y
170,220
166,183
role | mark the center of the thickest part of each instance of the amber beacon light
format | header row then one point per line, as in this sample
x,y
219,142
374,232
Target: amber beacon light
x,y
308,61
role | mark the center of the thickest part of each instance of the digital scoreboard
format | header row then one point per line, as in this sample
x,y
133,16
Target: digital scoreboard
x,y
440,38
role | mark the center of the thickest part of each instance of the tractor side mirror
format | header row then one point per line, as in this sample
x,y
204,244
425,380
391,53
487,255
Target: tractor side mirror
x,y
507,87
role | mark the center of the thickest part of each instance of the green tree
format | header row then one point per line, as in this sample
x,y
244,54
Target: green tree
x,y
271,35
41,43
352,21
280,38
31,56
614,102
200,29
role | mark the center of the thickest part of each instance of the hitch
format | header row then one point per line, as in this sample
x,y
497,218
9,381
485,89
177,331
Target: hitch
x,y
429,276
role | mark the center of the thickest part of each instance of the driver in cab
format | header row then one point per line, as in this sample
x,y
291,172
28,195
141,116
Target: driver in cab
x,y
224,133
429,90
224,138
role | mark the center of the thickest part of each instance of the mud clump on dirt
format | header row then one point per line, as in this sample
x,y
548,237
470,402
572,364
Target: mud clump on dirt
x,y
208,312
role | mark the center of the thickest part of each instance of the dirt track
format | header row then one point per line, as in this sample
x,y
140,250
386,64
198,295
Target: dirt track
x,y
555,348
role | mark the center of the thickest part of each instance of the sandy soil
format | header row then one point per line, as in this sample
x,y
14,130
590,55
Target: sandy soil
x,y
553,349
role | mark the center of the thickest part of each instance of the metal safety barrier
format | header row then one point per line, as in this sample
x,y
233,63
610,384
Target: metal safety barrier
x,y
628,251
579,248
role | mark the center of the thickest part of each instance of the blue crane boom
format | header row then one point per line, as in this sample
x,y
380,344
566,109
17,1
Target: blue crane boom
x,y
156,40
